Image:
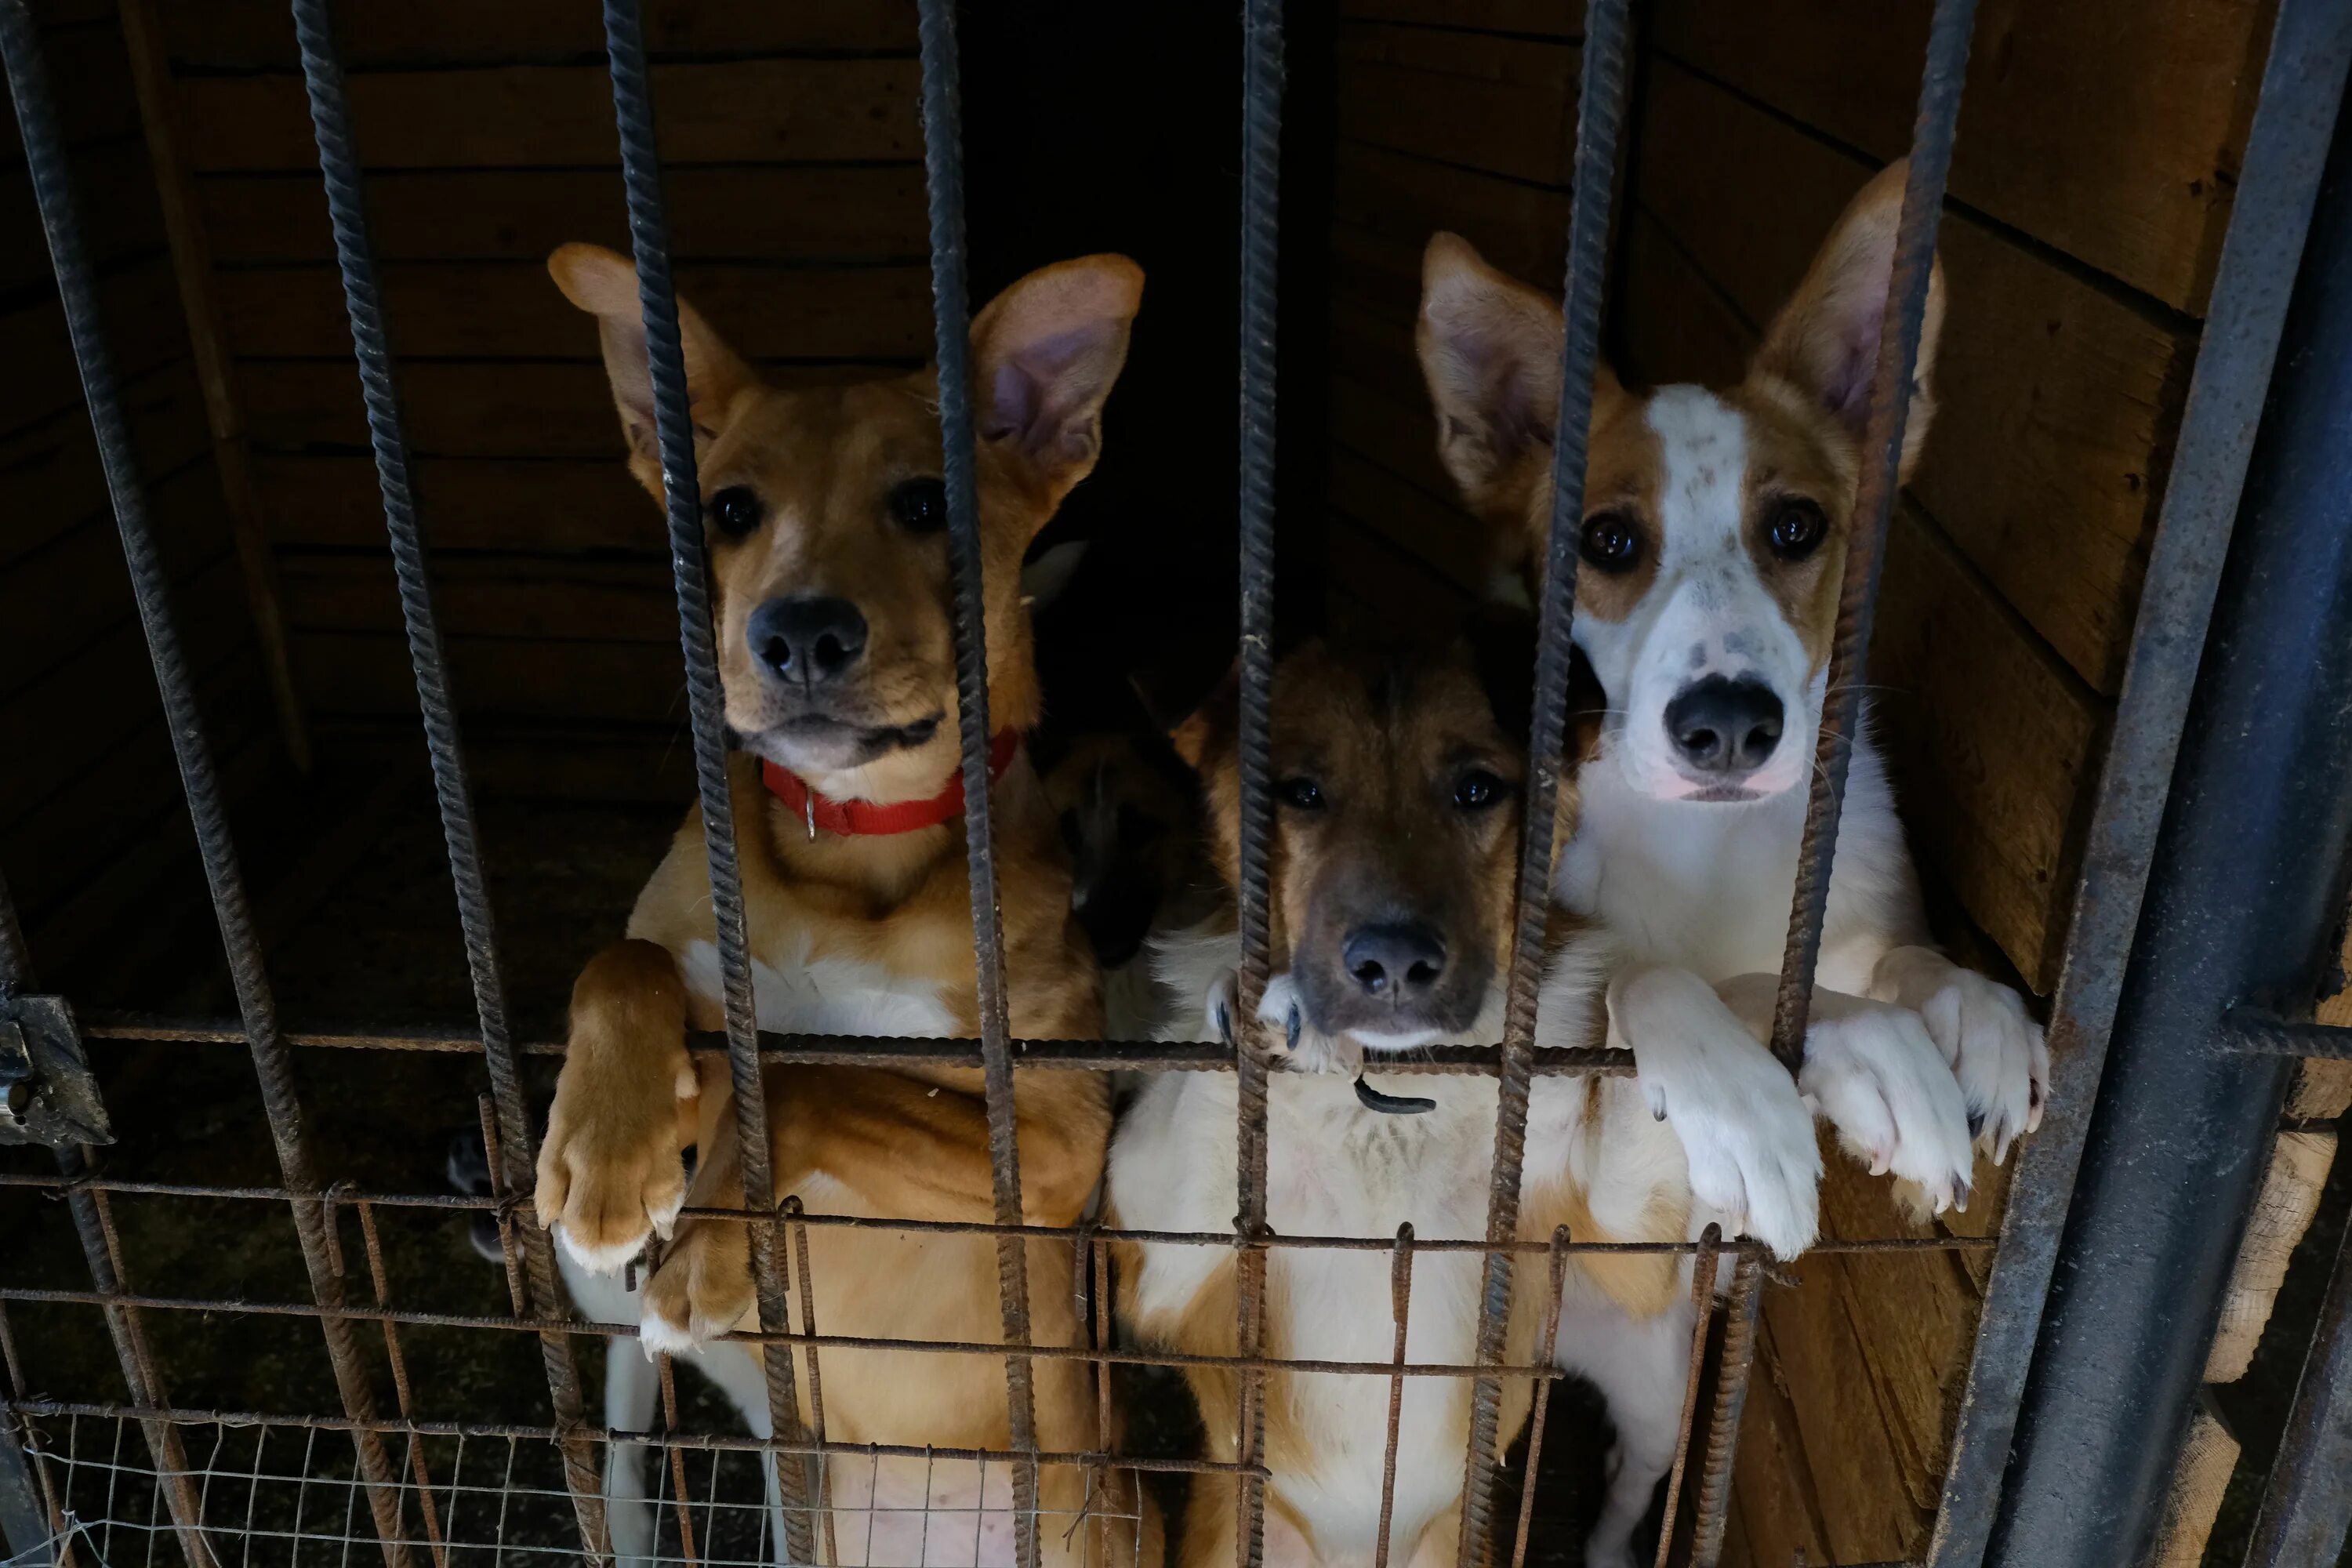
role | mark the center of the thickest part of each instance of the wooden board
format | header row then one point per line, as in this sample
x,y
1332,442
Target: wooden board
x,y
502,310
366,674
246,33
1521,228
590,504
117,226
753,112
772,213
1772,1492
2057,400
100,106
108,689
1545,19
518,410
1440,536
143,326
49,478
535,600
1507,105
1994,744
2110,129
63,596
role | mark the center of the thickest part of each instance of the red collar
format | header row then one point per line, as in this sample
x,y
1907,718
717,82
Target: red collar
x,y
853,818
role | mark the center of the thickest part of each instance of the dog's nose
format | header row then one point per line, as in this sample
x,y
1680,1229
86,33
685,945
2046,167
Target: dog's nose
x,y
1724,726
1400,959
808,639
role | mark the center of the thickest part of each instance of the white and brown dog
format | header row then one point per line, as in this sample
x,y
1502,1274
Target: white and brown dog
x,y
833,610
1393,866
1713,545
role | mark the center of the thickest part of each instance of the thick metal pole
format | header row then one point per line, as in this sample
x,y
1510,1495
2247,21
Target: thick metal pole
x,y
2241,908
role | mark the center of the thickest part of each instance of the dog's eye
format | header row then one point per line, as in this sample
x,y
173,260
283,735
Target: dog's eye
x,y
1797,528
736,511
1611,542
1301,793
1477,790
920,506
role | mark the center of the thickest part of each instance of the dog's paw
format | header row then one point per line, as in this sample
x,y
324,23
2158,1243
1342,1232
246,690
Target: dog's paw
x,y
1305,1047
702,1289
1744,1129
1995,1048
1874,1072
610,1178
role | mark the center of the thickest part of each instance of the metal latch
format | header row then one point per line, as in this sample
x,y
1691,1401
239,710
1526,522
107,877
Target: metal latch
x,y
47,1093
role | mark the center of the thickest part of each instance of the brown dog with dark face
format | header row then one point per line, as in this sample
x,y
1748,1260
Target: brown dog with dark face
x,y
1398,777
829,559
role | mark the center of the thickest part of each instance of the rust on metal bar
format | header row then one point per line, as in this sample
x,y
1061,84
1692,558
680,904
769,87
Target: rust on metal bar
x,y
1704,1268
1714,1508
379,1279
1401,1309
1555,1298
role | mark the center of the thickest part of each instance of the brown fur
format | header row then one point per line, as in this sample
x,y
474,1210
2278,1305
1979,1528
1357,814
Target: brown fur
x,y
899,1143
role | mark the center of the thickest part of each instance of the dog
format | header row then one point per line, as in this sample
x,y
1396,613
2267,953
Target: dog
x,y
833,610
1399,773
1713,546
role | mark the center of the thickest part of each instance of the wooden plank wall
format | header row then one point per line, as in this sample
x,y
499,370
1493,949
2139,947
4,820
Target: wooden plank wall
x,y
2097,155
793,161
90,810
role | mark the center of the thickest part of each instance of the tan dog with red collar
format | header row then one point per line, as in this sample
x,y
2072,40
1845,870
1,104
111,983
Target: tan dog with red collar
x,y
833,613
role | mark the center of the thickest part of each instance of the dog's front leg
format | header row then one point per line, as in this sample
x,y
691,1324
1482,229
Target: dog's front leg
x,y
1871,1069
1995,1048
610,1173
703,1288
1743,1126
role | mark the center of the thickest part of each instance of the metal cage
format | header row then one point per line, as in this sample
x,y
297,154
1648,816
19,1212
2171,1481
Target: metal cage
x,y
2046,1468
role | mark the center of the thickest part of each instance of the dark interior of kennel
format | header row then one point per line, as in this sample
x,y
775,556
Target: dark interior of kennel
x,y
2097,155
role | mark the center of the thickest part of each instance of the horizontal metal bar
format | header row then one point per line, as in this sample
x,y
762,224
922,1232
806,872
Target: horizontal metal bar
x,y
2258,1033
476,1204
1088,1354
502,1431
858,1050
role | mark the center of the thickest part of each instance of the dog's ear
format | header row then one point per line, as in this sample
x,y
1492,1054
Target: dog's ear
x,y
1045,355
1825,339
1490,351
1210,729
604,284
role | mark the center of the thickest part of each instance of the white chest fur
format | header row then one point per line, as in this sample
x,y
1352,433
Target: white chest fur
x,y
1334,1169
1707,886
796,995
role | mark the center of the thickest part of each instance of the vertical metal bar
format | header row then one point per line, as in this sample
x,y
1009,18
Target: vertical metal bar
x,y
807,1283
2245,906
633,112
340,175
151,588
25,1526
1600,109
2307,1503
1554,1299
380,1279
1400,1308
2286,149
1095,1262
1704,1268
1260,154
1713,1511
951,322
665,1368
1874,506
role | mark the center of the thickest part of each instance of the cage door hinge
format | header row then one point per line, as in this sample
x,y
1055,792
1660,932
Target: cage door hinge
x,y
46,1092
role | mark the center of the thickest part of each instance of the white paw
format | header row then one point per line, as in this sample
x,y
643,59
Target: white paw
x,y
660,1335
1744,1129
1308,1048
606,1259
1882,1082
1997,1052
